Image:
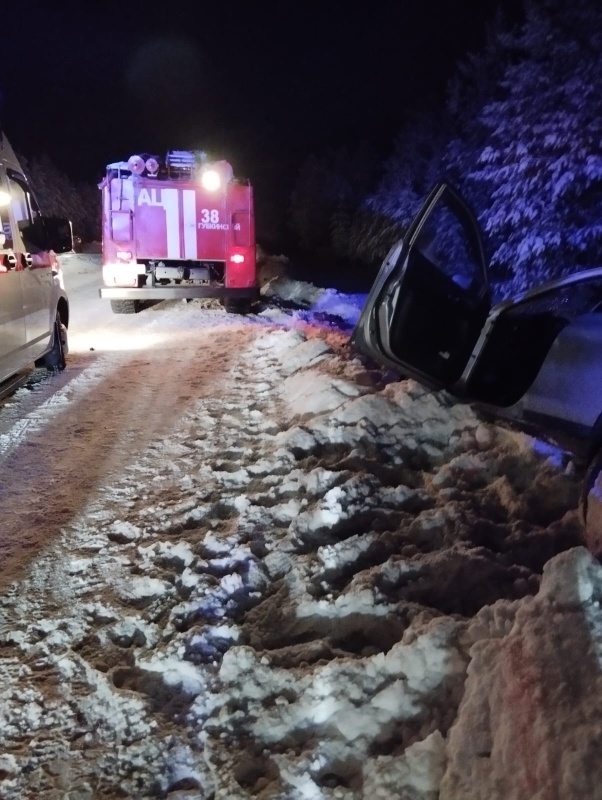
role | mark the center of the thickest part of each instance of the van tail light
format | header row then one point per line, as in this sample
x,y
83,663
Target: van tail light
x,y
8,262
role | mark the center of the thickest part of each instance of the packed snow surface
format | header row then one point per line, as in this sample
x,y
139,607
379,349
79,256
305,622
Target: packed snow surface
x,y
241,562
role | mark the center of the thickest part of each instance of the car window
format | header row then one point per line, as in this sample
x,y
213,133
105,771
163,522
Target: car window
x,y
567,301
447,240
521,337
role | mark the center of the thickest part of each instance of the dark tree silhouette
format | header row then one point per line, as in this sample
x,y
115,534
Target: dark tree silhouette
x,y
60,196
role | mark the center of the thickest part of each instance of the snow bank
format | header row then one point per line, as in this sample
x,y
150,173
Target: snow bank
x,y
528,724
293,579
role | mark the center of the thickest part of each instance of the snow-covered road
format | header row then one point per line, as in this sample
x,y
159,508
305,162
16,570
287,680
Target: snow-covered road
x,y
238,563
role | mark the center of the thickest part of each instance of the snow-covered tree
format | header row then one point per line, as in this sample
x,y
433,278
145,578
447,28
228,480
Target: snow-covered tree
x,y
60,196
433,144
408,174
329,189
473,86
413,167
541,169
521,136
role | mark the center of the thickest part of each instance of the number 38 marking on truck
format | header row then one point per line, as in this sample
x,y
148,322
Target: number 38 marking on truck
x,y
210,215
210,221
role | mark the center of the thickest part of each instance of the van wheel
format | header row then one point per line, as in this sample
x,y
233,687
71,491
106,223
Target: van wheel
x,y
54,360
591,506
125,306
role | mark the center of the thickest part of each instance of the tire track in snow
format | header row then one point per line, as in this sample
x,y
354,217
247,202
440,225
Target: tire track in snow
x,y
92,427
96,567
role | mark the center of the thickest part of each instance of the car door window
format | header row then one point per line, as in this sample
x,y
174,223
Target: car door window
x,y
438,303
521,334
445,242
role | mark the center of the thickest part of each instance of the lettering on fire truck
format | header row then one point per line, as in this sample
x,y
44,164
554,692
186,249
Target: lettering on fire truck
x,y
168,200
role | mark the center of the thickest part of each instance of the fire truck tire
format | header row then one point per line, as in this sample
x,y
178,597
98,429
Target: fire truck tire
x,y
54,360
236,306
125,306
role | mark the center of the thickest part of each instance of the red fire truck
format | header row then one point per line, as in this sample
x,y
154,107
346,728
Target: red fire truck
x,y
178,227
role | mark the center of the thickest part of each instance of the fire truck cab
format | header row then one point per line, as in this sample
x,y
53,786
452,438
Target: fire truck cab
x,y
178,227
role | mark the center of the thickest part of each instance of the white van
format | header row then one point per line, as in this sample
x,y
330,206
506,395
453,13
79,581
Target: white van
x,y
34,309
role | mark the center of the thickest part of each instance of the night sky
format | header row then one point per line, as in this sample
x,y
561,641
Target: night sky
x,y
263,84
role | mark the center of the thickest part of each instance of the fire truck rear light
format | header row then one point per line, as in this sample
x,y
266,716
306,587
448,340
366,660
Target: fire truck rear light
x,y
237,258
124,255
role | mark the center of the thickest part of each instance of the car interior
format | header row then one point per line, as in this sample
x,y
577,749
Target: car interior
x,y
521,340
435,324
513,355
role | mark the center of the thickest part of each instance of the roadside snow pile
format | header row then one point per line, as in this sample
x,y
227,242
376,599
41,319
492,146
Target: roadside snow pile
x,y
307,302
316,584
528,724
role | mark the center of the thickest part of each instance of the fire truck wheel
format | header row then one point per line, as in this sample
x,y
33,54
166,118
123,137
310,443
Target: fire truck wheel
x,y
54,360
234,306
125,306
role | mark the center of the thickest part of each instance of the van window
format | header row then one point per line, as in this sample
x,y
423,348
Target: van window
x,y
6,229
21,203
25,211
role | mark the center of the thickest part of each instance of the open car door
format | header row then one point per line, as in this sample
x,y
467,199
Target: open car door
x,y
542,348
431,297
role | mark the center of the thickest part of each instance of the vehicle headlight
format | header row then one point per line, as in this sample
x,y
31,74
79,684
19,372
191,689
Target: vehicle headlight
x,y
4,198
210,180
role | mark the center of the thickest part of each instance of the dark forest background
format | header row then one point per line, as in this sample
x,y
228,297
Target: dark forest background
x,y
519,133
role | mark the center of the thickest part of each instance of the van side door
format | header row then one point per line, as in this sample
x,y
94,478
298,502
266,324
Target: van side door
x,y
12,319
36,267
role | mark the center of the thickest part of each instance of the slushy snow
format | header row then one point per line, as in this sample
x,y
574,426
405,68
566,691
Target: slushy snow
x,y
258,567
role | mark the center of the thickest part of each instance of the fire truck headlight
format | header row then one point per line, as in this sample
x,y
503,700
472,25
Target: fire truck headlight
x,y
4,198
210,180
